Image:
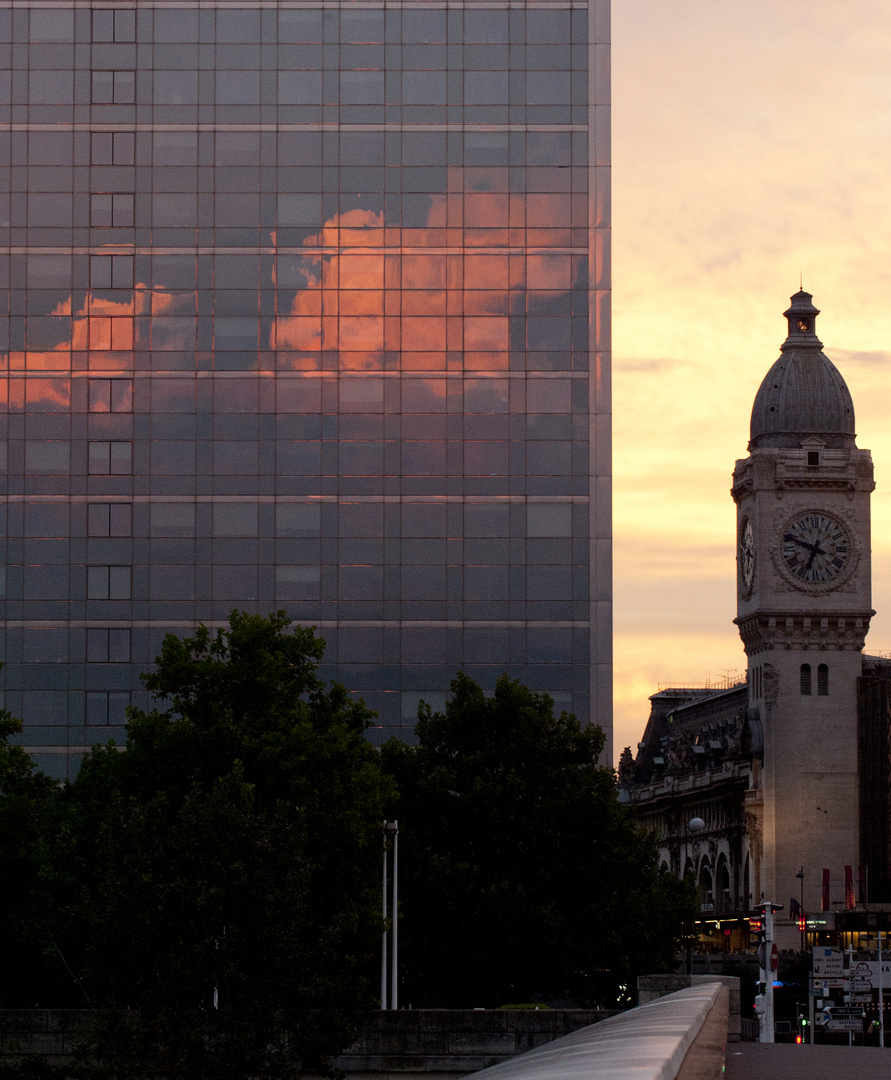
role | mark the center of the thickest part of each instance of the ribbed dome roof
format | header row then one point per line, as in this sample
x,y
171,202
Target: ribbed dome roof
x,y
803,394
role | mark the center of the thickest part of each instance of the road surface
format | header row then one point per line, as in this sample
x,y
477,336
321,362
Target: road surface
x,y
786,1061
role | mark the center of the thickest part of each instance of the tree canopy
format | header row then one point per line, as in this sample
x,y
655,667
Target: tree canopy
x,y
215,887
27,814
521,875
211,890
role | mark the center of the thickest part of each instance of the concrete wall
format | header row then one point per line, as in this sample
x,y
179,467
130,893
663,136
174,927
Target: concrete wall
x,y
668,1029
434,1042
41,1031
453,1042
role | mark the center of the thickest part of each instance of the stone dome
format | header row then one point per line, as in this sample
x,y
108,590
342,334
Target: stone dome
x,y
803,395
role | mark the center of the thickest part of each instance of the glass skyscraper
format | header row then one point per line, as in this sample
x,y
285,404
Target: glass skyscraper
x,y
305,305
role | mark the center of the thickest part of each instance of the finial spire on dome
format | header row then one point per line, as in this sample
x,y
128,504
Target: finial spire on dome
x,y
801,316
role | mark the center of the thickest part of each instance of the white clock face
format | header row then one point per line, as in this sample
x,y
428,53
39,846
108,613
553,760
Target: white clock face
x,y
746,556
816,548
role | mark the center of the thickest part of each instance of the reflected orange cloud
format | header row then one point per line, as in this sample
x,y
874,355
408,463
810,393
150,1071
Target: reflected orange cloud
x,y
355,288
99,325
39,395
422,304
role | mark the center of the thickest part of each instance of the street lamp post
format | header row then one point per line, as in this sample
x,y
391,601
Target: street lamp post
x,y
394,965
881,989
391,832
801,913
694,825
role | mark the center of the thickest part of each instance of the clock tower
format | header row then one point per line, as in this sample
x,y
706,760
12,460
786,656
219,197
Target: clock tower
x,y
803,611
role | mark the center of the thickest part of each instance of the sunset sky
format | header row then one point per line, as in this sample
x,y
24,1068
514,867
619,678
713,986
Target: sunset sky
x,y
751,144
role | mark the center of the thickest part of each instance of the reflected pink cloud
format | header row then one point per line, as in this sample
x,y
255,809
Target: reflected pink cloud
x,y
373,295
423,305
39,395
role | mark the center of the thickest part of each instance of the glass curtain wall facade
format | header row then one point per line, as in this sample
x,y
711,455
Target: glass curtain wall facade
x,y
304,306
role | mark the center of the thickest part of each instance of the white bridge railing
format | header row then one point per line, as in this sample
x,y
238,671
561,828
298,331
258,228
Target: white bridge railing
x,y
646,1043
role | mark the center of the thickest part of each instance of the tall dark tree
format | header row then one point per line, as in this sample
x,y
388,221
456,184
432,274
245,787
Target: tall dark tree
x,y
521,874
27,817
219,880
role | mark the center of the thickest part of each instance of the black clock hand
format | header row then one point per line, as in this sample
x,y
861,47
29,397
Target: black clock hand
x,y
811,547
817,550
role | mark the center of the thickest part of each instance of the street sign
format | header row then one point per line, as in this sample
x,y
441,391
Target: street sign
x,y
844,1010
867,997
869,971
829,984
829,963
845,1023
858,984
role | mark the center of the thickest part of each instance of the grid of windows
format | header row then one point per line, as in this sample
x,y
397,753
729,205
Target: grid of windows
x,y
308,308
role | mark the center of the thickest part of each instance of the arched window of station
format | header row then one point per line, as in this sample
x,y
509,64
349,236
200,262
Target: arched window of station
x,y
823,680
706,887
806,679
722,885
689,869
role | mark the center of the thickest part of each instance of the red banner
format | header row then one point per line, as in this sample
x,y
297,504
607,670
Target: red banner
x,y
849,888
827,906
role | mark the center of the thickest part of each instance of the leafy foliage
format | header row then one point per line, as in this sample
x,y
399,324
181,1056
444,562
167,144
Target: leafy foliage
x,y
216,885
521,874
26,818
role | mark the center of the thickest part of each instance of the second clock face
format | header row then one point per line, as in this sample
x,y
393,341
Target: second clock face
x,y
746,556
816,548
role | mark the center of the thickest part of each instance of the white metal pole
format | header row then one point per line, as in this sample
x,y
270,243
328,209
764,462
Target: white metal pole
x,y
850,972
881,996
394,966
762,979
767,1028
216,989
384,936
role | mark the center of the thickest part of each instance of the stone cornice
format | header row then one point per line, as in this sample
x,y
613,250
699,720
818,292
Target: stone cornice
x,y
761,632
743,486
711,785
781,476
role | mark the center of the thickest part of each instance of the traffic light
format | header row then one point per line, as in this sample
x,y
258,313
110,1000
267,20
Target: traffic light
x,y
802,922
